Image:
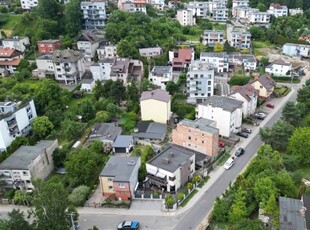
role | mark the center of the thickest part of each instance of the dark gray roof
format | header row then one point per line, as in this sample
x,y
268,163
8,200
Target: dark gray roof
x,y
225,103
45,57
121,168
122,141
202,124
66,56
306,203
150,130
88,36
209,54
160,70
157,94
86,81
106,131
24,156
177,156
290,215
243,57
265,80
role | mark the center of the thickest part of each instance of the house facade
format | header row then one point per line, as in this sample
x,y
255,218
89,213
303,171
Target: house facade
x,y
295,11
181,58
45,66
155,105
186,17
157,4
15,121
277,10
298,50
255,17
150,52
220,14
200,135
132,5
226,112
94,14
9,59
119,177
48,46
28,163
123,144
107,51
17,43
199,82
236,3
218,61
248,61
210,37
160,75
199,9
28,4
87,44
240,39
264,84
279,68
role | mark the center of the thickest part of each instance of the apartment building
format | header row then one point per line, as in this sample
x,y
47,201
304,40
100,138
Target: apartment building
x,y
48,46
199,9
28,4
255,17
210,37
277,10
94,14
132,5
248,61
237,3
216,4
158,4
45,66
107,51
279,67
240,38
186,17
17,43
160,75
218,61
220,14
87,44
298,50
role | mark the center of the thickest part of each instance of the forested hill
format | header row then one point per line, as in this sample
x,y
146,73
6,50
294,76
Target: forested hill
x,y
303,4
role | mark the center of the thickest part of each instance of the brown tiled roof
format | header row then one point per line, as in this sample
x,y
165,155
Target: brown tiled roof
x,y
246,91
183,55
14,62
6,52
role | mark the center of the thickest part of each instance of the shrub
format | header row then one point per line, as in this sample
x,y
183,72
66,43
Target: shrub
x,y
79,195
180,196
196,179
169,200
189,185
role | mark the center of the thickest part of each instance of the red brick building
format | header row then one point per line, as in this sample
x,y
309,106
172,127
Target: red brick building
x,y
48,46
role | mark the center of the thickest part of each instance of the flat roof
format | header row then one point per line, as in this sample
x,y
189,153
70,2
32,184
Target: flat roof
x,y
225,103
202,124
122,141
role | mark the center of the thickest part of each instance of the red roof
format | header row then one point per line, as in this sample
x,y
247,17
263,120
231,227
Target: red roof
x,y
14,62
184,54
7,52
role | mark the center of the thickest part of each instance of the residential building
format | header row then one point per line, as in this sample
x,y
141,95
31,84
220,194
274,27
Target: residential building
x,y
248,61
15,121
28,4
240,39
295,11
277,10
305,38
87,84
199,9
218,61
248,95
27,164
172,168
279,67
210,37
298,50
151,51
119,177
48,46
173,3
107,51
200,135
160,75
226,112
216,4
9,59
182,58
132,5
94,14
101,71
220,14
45,66
264,84
157,4
236,3
147,131
155,105
199,82
186,17
123,144
255,17
87,44
68,66
17,43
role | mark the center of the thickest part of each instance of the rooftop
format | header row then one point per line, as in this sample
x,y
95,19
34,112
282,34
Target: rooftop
x,y
281,62
199,66
88,36
183,55
160,70
45,57
227,104
122,141
210,54
121,168
6,52
202,124
265,80
49,41
67,56
150,130
157,94
247,91
107,131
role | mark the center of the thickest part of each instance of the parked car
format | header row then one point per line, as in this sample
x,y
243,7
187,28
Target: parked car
x,y
128,224
246,130
260,116
239,152
229,163
221,144
270,106
242,134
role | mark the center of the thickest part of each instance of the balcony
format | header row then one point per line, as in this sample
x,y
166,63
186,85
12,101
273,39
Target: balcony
x,y
66,68
157,180
12,123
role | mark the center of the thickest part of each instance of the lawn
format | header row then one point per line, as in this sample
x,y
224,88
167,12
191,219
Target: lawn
x,y
282,91
187,199
74,103
224,158
263,44
217,26
15,19
196,32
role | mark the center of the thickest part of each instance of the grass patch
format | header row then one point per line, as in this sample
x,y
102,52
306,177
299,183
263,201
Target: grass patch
x,y
14,20
217,26
286,80
263,44
282,91
195,33
187,199
224,159
205,180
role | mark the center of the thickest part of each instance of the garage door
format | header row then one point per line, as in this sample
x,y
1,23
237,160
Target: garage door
x,y
120,150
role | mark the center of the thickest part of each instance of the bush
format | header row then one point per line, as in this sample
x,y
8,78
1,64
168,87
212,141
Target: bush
x,y
196,179
79,195
189,185
169,200
180,196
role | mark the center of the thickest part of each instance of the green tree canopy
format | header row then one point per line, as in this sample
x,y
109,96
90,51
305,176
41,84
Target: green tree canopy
x,y
79,195
71,129
73,17
42,127
299,145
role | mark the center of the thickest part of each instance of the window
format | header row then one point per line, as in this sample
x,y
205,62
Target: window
x,y
189,138
110,187
25,173
202,142
121,185
172,178
110,179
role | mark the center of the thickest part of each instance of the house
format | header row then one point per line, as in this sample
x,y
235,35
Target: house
x,y
199,82
9,59
257,18
173,3
226,112
298,50
68,66
94,14
219,61
220,14
172,168
210,37
199,9
186,17
248,61
107,51
279,67
295,11
119,177
15,121
28,4
155,105
264,84
216,4
305,38
240,38
158,4
123,144
45,66
17,43
200,135
87,84
132,5
28,163
87,44
248,95
150,132
236,3
150,52
101,71
277,10
160,75
48,46
182,58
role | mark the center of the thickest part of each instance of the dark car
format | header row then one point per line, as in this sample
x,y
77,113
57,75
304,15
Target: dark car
x,y
239,152
128,224
246,130
242,134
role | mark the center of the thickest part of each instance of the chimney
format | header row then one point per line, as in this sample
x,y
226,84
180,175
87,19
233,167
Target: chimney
x,y
256,76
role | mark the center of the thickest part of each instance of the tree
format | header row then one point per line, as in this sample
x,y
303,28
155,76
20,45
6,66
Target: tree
x,y
21,197
263,189
299,145
238,209
264,61
16,220
228,48
142,172
169,200
49,9
171,87
71,129
220,210
102,116
79,195
126,48
218,47
291,113
87,110
59,156
262,7
73,17
42,127
239,80
257,33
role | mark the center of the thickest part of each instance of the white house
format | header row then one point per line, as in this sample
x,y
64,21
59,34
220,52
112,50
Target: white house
x,y
158,4
28,4
210,37
255,17
150,51
87,84
132,5
200,81
160,75
248,61
28,163
298,50
106,51
186,18
101,70
87,44
200,9
17,43
172,168
45,66
236,3
279,68
9,60
216,4
248,95
227,113
277,10
94,14
15,121
295,11
219,61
